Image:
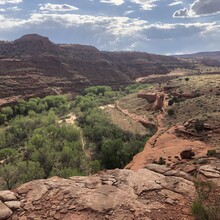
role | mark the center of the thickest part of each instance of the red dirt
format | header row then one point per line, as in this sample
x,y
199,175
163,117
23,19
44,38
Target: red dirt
x,y
166,144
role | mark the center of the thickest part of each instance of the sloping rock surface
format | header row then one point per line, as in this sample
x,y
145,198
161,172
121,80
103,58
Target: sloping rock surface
x,y
152,193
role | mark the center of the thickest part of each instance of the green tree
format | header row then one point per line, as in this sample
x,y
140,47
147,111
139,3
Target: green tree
x,y
8,111
2,118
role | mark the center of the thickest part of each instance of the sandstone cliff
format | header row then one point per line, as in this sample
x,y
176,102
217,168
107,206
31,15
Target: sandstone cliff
x,y
34,66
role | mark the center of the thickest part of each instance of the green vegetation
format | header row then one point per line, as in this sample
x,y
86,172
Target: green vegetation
x,y
170,102
109,145
206,206
170,111
161,161
34,143
199,125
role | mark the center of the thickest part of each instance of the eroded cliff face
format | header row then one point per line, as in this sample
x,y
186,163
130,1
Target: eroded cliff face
x,y
34,66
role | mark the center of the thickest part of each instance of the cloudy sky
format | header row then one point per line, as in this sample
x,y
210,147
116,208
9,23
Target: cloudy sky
x,y
155,26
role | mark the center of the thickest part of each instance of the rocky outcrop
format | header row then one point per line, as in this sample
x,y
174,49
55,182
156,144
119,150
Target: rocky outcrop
x,y
159,101
150,97
8,204
156,99
155,192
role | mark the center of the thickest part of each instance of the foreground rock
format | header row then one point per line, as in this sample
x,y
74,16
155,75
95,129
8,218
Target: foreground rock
x,y
5,212
153,193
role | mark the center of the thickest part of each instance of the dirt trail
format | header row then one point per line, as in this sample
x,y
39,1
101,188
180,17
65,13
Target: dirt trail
x,y
138,118
164,143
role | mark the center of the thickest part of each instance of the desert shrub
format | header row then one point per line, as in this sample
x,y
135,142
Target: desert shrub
x,y
161,161
171,111
198,210
211,153
187,79
206,206
170,102
176,99
199,125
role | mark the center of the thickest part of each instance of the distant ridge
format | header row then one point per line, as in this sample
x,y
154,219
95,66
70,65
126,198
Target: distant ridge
x,y
202,55
34,66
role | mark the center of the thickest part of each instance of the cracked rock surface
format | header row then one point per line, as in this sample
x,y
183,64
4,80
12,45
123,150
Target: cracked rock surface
x,y
152,193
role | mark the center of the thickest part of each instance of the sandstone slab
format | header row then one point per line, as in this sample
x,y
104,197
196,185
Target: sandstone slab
x,y
7,195
5,212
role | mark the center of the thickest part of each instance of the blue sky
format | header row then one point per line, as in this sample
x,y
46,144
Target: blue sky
x,y
154,26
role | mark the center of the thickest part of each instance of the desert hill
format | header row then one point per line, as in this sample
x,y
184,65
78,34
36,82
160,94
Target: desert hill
x,y
202,55
34,66
205,58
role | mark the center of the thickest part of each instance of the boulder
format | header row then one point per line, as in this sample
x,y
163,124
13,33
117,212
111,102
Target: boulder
x,y
5,212
187,154
13,205
7,195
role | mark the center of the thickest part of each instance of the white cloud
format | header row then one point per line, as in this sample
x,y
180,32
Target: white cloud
x,y
199,8
145,4
175,3
4,2
114,26
113,2
182,13
129,12
114,33
57,7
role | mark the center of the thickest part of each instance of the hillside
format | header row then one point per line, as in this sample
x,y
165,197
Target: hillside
x,y
34,66
202,55
211,59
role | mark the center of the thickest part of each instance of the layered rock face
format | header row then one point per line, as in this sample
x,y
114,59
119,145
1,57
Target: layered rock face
x,y
156,192
156,99
34,66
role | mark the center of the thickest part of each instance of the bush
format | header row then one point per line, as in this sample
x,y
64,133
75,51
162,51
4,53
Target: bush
x,y
211,153
170,111
161,161
199,211
176,99
170,102
2,118
199,125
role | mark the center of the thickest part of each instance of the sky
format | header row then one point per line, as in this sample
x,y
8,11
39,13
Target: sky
x,y
154,26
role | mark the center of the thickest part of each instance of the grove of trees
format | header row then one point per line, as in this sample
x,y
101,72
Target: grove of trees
x,y
35,144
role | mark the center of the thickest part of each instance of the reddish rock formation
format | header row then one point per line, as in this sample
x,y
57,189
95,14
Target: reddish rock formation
x,y
150,97
158,105
156,99
34,66
148,194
